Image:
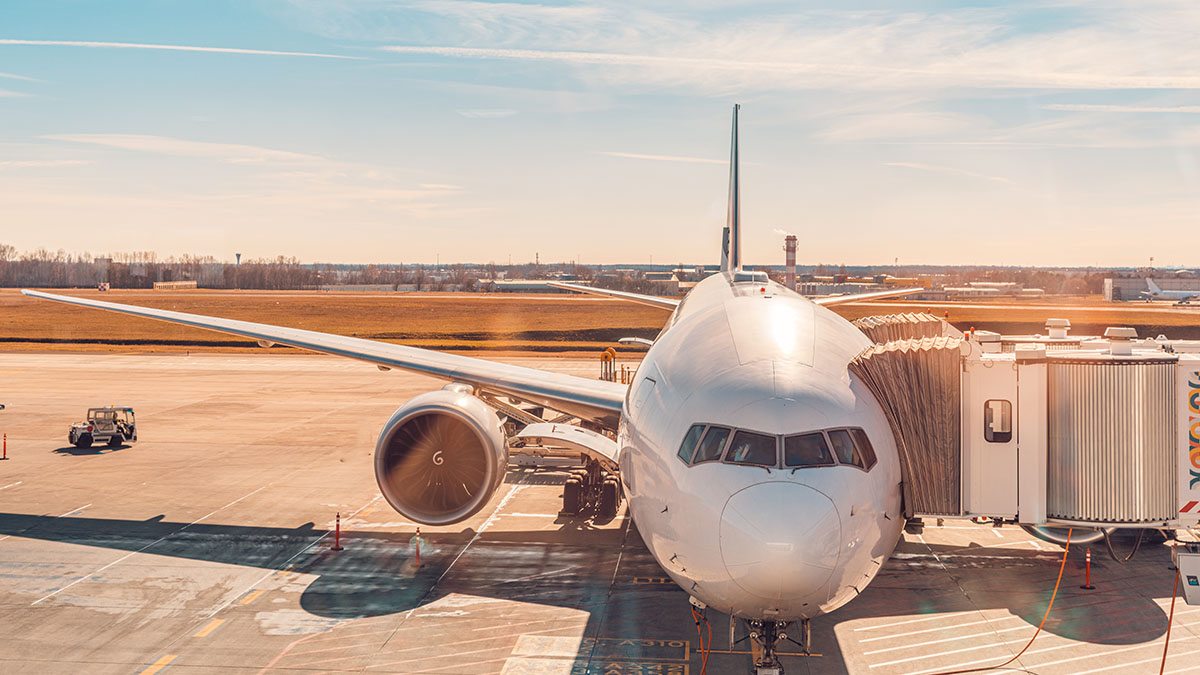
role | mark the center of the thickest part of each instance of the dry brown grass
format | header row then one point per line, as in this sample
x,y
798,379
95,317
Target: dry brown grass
x,y
458,322
549,324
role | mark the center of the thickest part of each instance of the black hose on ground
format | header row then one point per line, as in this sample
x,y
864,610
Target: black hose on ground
x,y
1136,545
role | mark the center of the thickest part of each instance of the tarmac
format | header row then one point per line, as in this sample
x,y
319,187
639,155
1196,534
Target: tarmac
x,y
206,547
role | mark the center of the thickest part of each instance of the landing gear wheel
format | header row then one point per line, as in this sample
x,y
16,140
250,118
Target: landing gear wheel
x,y
765,636
610,498
572,497
84,441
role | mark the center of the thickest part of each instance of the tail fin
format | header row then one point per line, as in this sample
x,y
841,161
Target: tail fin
x,y
1153,286
731,246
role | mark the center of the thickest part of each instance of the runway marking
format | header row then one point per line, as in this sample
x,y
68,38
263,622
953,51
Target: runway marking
x,y
946,615
1183,638
1049,649
159,664
996,531
252,597
1188,669
925,657
938,630
12,485
941,640
287,562
354,635
1154,659
331,649
212,625
540,575
156,541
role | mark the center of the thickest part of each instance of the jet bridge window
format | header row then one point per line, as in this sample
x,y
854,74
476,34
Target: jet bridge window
x,y
687,449
751,448
997,421
806,450
713,444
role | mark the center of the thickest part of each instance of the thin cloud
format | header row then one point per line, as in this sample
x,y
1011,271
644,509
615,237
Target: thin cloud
x,y
14,76
40,163
487,113
935,168
1089,107
8,93
172,48
663,158
164,145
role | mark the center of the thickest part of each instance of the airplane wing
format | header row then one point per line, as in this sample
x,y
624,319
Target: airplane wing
x,y
832,300
594,400
651,300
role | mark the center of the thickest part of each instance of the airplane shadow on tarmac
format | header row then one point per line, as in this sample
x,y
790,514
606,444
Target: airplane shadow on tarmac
x,y
376,575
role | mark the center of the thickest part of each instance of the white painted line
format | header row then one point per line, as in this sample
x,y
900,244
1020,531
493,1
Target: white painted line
x,y
288,561
1188,669
1104,654
73,512
1143,645
996,531
133,553
63,515
940,629
12,485
956,638
947,615
925,657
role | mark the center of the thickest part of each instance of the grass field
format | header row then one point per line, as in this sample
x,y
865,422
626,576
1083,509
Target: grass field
x,y
549,324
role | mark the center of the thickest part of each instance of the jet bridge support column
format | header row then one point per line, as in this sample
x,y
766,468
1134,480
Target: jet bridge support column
x,y
1031,434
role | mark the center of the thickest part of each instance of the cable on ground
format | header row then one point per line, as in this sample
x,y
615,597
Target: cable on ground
x,y
1171,616
1062,566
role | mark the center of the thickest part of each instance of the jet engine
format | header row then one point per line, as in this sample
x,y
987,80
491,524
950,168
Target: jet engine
x,y
441,456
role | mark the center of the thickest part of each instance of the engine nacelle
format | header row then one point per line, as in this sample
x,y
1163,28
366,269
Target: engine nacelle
x,y
441,456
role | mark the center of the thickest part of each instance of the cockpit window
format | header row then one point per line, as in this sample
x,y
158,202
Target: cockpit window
x,y
713,444
843,448
688,448
751,448
864,447
806,450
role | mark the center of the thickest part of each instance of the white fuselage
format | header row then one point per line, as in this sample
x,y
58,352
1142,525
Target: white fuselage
x,y
750,541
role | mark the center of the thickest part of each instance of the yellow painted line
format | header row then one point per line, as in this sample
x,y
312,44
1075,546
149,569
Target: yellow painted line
x,y
251,598
159,664
212,625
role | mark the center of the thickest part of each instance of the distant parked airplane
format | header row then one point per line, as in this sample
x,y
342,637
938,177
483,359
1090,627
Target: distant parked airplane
x,y
1156,293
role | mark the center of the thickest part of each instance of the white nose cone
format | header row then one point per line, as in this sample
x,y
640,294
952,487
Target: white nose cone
x,y
780,540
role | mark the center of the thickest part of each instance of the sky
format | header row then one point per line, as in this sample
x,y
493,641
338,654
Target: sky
x,y
1009,133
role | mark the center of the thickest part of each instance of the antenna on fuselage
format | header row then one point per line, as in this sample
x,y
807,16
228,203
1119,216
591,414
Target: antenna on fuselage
x,y
731,244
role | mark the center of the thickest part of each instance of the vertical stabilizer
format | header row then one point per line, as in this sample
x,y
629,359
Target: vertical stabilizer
x,y
1153,286
731,251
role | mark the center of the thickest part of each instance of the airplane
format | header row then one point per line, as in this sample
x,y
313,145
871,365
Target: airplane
x,y
762,475
1156,293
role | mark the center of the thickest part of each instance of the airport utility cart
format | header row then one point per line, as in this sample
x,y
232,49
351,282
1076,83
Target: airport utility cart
x,y
113,426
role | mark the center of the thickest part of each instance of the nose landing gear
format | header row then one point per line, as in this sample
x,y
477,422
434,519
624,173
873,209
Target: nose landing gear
x,y
765,636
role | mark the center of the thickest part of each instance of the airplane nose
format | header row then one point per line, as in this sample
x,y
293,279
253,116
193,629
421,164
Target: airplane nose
x,y
780,540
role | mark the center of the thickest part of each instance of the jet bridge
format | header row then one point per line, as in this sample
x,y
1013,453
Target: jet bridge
x,y
1046,430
